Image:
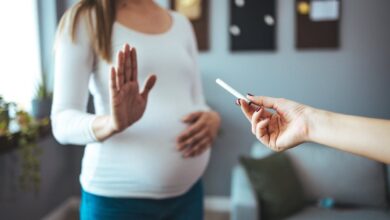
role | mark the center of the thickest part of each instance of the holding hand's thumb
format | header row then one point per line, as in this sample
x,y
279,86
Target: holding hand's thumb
x,y
149,84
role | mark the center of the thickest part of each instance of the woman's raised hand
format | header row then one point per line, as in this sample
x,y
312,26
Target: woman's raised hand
x,y
128,103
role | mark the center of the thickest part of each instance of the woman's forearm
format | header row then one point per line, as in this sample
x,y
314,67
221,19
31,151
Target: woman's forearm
x,y
101,127
359,135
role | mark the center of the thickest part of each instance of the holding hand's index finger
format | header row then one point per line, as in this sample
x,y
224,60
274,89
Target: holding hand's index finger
x,y
265,101
246,109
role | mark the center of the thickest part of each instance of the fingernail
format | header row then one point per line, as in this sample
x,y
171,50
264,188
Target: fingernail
x,y
250,94
238,102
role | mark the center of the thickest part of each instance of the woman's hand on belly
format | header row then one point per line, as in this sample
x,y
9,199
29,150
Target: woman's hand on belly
x,y
127,102
200,133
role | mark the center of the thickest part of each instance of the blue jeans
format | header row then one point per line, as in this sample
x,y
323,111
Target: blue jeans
x,y
188,206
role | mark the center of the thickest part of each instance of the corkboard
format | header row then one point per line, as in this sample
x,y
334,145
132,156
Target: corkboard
x,y
313,34
201,25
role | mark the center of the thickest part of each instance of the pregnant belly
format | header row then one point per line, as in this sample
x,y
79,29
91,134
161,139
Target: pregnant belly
x,y
146,160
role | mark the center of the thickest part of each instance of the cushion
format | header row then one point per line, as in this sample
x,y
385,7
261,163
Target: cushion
x,y
277,187
329,173
344,177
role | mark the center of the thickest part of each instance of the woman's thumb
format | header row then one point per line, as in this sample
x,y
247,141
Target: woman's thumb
x,y
149,84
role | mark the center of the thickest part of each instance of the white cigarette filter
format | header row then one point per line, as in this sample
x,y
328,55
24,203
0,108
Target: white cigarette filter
x,y
231,90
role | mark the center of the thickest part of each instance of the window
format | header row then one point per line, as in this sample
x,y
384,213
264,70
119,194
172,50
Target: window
x,y
20,68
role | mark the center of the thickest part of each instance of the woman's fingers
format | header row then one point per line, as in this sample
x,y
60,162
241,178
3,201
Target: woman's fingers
x,y
246,109
128,64
114,88
197,148
261,131
198,136
274,123
119,70
190,131
265,113
149,84
201,150
255,118
268,102
261,128
134,65
190,118
274,131
193,139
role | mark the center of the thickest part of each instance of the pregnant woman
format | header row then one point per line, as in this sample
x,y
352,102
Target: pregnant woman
x,y
146,146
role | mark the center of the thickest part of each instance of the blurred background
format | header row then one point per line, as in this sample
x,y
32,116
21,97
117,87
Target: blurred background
x,y
352,78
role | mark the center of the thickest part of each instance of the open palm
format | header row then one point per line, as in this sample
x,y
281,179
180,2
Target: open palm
x,y
128,104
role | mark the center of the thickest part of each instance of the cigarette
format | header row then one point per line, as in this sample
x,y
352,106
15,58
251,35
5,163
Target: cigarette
x,y
231,90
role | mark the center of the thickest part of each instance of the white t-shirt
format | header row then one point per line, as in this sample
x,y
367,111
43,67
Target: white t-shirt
x,y
142,161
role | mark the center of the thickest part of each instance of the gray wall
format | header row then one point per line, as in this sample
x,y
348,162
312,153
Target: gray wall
x,y
353,79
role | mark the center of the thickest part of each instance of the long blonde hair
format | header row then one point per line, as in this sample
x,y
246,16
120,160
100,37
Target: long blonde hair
x,y
100,15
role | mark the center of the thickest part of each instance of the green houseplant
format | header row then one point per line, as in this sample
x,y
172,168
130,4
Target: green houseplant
x,y
25,139
41,104
4,117
29,150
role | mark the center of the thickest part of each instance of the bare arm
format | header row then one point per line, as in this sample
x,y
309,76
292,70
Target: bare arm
x,y
294,123
359,135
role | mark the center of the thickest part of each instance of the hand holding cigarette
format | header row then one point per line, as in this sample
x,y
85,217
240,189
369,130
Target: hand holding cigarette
x,y
291,123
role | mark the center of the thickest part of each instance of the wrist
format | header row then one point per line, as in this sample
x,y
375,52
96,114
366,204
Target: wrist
x,y
110,126
101,127
316,119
